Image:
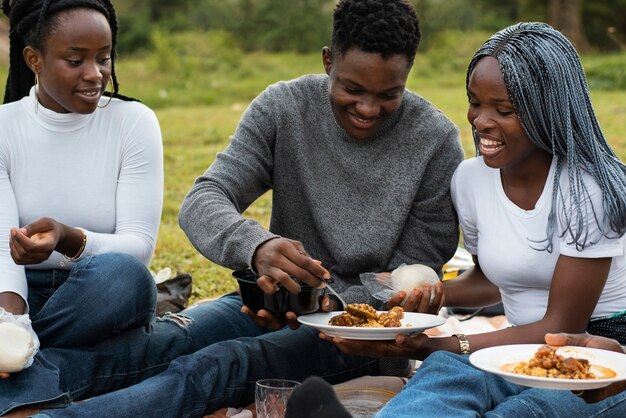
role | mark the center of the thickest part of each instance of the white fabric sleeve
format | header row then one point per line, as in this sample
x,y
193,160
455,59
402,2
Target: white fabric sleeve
x,y
12,276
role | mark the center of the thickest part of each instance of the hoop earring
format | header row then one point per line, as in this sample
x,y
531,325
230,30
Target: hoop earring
x,y
110,97
36,92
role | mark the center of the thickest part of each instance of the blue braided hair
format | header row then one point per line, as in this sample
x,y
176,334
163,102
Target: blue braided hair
x,y
548,89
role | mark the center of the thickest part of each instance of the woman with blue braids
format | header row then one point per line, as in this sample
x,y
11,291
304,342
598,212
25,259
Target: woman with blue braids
x,y
543,211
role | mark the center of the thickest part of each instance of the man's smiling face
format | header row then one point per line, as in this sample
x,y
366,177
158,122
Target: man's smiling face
x,y
364,88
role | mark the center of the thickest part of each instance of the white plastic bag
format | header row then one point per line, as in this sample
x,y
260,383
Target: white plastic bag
x,y
18,342
406,277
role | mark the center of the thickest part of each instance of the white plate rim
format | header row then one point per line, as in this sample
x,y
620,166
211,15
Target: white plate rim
x,y
424,321
492,358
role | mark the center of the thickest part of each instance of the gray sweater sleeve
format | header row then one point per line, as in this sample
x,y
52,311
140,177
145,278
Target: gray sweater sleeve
x,y
211,212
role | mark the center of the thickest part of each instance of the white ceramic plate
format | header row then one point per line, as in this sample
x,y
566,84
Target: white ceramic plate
x,y
412,323
492,360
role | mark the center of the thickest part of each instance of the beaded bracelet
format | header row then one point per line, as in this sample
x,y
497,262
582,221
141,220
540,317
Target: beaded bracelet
x,y
81,249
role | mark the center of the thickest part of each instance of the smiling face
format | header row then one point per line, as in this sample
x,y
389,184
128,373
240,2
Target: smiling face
x,y
75,66
503,142
364,88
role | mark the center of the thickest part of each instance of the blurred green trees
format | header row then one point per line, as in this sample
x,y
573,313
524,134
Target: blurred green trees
x,y
305,25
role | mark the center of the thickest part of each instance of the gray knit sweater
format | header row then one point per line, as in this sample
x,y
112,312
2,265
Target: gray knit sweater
x,y
356,205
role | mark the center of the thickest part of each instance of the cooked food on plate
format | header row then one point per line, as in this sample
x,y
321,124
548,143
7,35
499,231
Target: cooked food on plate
x,y
548,363
364,315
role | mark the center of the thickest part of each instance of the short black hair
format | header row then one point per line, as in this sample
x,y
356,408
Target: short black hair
x,y
31,21
386,27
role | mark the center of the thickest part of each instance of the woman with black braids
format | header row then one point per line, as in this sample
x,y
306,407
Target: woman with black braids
x,y
359,169
81,185
543,211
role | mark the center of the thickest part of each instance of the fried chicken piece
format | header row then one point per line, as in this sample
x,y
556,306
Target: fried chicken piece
x,y
346,320
392,318
362,309
364,315
371,323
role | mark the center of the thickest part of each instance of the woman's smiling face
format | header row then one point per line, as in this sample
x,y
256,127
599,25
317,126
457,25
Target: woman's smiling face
x,y
501,139
75,66
364,88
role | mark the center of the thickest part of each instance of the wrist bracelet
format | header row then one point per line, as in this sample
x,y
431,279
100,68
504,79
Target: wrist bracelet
x,y
463,343
81,249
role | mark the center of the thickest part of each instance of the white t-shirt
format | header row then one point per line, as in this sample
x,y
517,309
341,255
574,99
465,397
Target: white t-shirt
x,y
102,172
502,235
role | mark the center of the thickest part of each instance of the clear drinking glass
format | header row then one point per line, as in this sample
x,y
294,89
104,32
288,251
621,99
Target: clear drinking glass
x,y
271,397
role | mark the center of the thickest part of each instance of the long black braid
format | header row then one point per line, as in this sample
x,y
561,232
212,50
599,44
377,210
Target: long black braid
x,y
31,21
386,27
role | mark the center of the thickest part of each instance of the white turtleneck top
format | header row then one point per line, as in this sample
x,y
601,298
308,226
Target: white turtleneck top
x,y
102,172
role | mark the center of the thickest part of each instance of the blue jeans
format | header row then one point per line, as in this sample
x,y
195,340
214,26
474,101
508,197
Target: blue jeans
x,y
98,333
99,297
447,385
224,373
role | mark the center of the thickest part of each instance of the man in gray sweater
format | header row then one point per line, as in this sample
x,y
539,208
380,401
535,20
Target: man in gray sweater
x,y
359,168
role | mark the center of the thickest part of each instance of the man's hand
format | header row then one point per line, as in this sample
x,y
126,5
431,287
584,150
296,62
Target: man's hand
x,y
591,341
264,318
278,259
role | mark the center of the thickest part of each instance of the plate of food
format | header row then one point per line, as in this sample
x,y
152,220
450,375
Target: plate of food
x,y
547,367
362,322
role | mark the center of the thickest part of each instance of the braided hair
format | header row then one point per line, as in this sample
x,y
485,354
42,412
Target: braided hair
x,y
548,89
31,21
386,27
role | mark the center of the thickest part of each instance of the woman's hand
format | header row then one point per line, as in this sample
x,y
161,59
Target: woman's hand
x,y
278,259
419,299
584,340
403,346
591,341
33,243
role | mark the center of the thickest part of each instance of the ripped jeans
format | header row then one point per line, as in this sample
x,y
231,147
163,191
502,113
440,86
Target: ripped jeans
x,y
98,333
